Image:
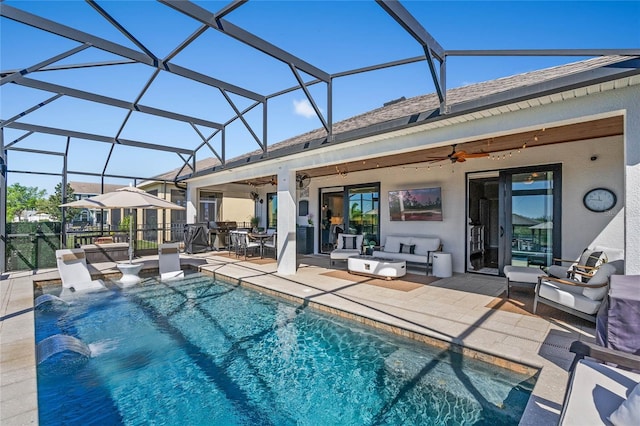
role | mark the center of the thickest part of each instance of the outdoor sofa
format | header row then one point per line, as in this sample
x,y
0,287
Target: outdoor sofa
x,y
412,249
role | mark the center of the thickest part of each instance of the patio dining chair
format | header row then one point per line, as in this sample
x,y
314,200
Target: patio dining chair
x,y
245,244
272,244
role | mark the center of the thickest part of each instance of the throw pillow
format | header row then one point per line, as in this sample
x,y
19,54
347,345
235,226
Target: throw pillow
x,y
349,242
407,248
592,260
628,412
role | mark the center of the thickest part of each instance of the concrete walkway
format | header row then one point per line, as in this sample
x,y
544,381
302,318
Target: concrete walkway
x,y
450,310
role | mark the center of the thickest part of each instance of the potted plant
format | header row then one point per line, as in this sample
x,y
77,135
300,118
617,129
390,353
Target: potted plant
x,y
255,221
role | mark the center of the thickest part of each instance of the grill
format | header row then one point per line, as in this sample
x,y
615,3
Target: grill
x,y
219,233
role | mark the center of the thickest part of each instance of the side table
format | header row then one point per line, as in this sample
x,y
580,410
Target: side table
x,y
442,265
129,273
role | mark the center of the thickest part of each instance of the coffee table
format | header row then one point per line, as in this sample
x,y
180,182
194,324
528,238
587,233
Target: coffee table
x,y
377,267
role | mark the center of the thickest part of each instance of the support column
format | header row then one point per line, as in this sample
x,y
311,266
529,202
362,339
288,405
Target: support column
x,y
631,192
287,261
3,204
192,204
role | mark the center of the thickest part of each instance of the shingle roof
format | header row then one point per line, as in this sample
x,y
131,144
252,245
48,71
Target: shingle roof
x,y
90,188
421,104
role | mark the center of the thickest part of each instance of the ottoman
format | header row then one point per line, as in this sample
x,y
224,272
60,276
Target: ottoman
x,y
522,276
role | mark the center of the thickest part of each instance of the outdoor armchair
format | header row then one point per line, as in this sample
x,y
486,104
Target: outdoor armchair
x,y
574,296
348,245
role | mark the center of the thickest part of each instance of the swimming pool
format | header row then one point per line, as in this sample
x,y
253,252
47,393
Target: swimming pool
x,y
199,351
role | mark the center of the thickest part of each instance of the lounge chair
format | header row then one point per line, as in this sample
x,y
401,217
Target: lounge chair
x,y
169,261
75,276
599,393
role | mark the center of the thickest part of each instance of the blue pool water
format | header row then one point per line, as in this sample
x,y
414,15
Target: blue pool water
x,y
200,352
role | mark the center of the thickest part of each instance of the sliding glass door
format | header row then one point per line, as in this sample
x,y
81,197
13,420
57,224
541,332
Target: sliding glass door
x,y
350,209
531,223
514,218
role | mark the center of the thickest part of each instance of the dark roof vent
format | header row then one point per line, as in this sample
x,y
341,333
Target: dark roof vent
x,y
395,101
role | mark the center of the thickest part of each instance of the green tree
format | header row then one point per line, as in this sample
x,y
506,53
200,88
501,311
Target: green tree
x,y
21,198
52,204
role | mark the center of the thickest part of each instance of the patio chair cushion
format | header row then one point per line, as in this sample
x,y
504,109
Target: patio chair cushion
x,y
569,296
600,277
595,393
628,412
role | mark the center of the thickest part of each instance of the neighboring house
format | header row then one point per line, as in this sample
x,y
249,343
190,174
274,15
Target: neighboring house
x,y
93,217
32,216
532,145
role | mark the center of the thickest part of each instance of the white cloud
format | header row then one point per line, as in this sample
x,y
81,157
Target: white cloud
x,y
303,108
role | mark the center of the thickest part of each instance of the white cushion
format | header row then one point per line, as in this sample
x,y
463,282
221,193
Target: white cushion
x,y
600,277
595,392
523,274
569,296
359,239
424,245
341,254
628,413
392,243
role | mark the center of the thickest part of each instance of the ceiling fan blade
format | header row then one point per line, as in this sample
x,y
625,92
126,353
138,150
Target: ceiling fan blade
x,y
478,155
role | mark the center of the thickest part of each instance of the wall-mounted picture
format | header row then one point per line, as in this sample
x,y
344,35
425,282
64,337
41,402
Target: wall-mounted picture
x,y
415,204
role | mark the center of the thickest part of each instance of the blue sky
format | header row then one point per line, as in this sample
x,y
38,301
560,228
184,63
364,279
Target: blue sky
x,y
332,35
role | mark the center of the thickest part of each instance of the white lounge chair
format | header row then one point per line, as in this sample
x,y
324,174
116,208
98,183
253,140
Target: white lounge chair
x,y
599,393
75,276
169,261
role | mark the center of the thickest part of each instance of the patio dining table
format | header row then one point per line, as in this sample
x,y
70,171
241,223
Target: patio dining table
x,y
261,237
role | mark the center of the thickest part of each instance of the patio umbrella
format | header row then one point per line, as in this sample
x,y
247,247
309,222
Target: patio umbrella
x,y
124,198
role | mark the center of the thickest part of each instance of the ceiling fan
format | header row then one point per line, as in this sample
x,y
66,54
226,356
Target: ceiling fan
x,y
459,156
303,180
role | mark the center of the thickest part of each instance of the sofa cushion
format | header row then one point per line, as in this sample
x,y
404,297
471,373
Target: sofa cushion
x,y
415,258
425,244
392,243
